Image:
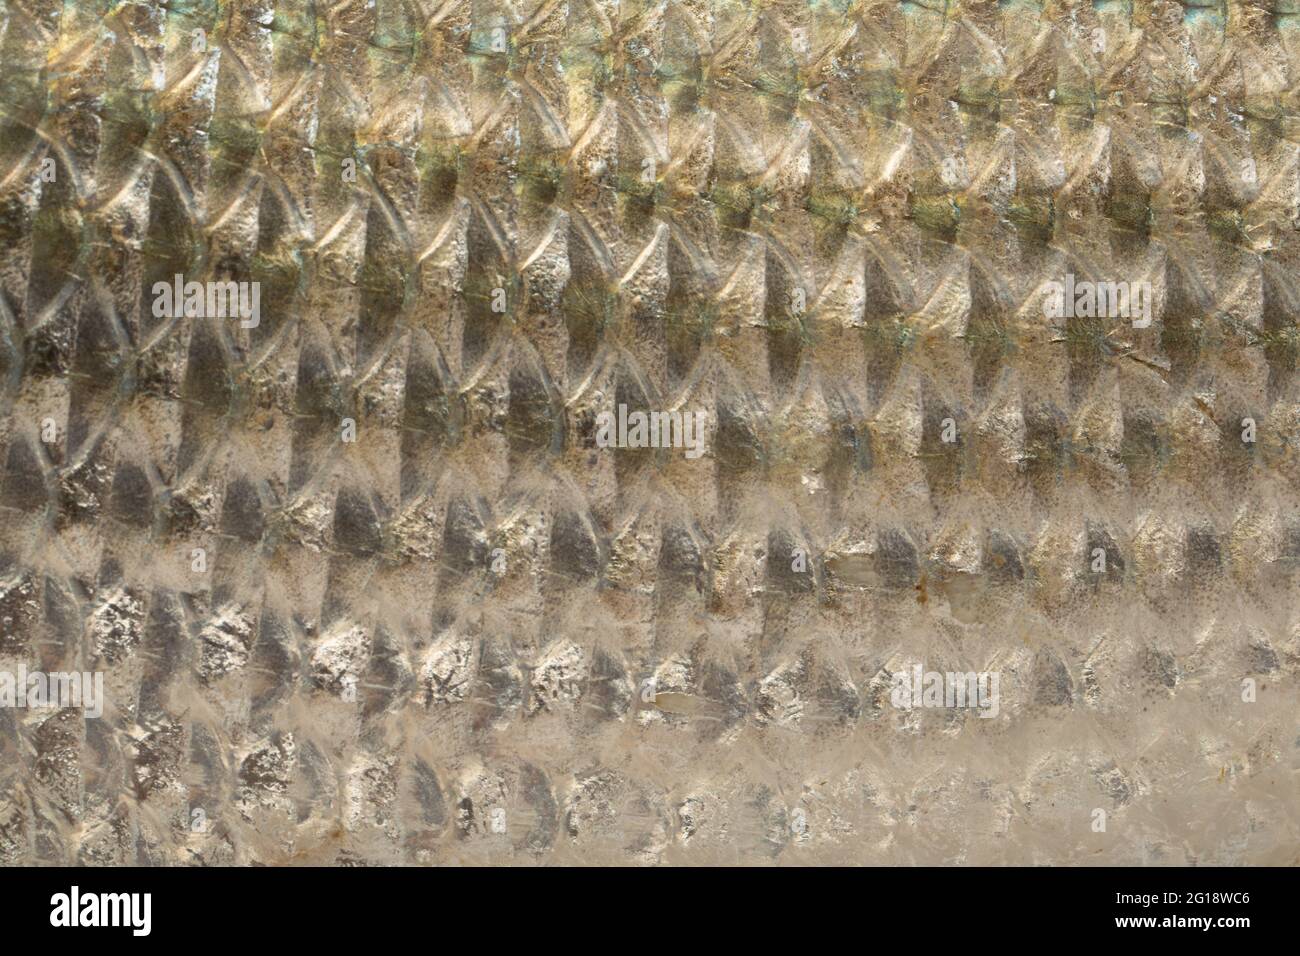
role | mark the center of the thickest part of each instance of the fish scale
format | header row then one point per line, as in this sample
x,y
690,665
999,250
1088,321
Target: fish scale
x,y
363,565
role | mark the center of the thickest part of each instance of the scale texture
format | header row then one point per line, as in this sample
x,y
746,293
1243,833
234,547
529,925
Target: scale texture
x,y
364,586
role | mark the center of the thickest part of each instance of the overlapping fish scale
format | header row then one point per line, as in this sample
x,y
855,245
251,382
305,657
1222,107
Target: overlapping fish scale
x,y
434,622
